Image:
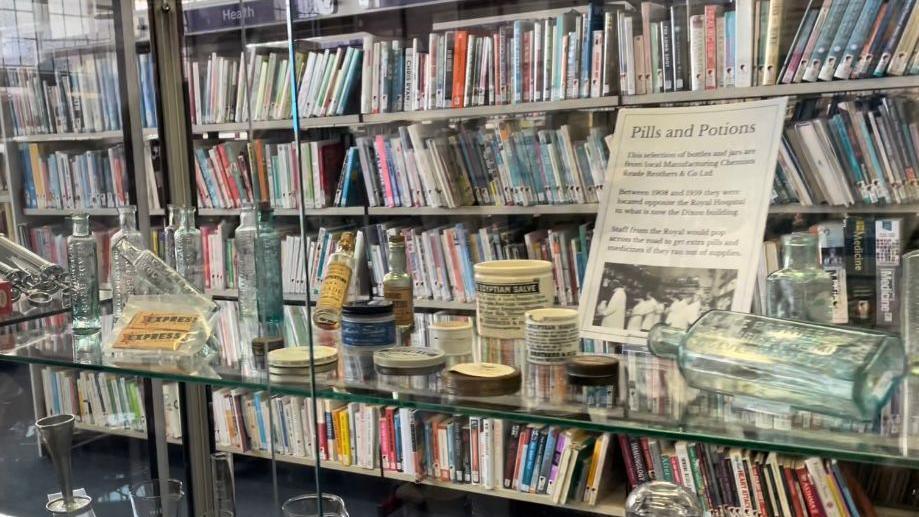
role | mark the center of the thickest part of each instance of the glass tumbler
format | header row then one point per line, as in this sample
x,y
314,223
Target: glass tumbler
x,y
148,499
307,505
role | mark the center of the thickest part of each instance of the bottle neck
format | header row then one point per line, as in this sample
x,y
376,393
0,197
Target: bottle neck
x,y
799,256
187,218
247,217
127,220
265,218
172,216
665,341
396,258
80,225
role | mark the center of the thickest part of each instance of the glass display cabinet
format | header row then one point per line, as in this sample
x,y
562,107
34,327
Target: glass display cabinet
x,y
355,184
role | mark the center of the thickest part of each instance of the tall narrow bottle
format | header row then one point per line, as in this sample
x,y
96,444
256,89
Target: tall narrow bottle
x,y
188,257
270,297
84,275
801,290
397,288
244,244
122,271
169,237
334,290
839,371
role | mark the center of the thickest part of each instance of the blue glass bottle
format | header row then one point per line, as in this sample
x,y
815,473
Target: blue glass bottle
x,y
84,275
268,275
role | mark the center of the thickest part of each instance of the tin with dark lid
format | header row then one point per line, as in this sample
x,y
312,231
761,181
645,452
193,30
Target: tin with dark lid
x,y
592,370
482,379
262,346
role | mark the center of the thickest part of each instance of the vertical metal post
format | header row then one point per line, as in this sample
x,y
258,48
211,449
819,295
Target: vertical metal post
x,y
166,35
131,117
197,437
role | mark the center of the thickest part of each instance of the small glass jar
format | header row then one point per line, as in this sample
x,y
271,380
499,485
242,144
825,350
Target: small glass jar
x,y
545,383
368,324
356,365
593,380
414,368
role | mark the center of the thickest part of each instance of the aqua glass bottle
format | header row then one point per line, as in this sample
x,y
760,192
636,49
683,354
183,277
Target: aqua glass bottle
x,y
244,244
122,271
838,371
84,275
801,290
188,257
270,297
169,237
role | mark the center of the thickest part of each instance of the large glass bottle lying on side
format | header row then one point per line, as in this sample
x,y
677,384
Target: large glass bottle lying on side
x,y
839,371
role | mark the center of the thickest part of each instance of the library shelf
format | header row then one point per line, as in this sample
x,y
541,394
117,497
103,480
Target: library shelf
x,y
331,211
233,294
534,210
5,197
905,208
239,129
60,212
149,134
612,503
592,103
115,431
779,90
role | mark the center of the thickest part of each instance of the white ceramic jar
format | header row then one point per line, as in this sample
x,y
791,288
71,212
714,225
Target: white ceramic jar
x,y
506,290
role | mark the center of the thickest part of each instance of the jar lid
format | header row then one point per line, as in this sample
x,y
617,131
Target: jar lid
x,y
457,326
263,345
409,357
513,267
300,371
551,315
592,366
374,307
482,379
299,356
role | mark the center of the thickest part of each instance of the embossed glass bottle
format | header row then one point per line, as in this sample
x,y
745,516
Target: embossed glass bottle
x,y
169,237
801,290
335,284
270,297
397,288
122,271
833,370
188,258
84,275
244,244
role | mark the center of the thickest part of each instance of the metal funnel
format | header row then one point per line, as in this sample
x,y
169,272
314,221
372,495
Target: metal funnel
x,y
57,435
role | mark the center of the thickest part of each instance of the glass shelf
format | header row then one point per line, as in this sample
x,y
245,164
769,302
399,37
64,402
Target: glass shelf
x,y
679,412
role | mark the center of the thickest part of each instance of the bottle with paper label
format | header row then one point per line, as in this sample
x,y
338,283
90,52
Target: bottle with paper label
x,y
335,284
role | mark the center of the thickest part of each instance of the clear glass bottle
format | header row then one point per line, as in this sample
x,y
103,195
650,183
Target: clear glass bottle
x,y
244,244
270,299
169,237
801,290
122,271
188,257
397,288
153,276
335,284
839,371
84,275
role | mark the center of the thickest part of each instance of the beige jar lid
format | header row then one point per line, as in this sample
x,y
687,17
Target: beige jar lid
x,y
513,268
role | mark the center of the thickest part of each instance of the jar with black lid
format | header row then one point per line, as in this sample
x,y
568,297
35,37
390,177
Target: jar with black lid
x,y
593,380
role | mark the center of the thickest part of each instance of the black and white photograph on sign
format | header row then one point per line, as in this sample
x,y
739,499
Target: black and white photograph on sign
x,y
635,298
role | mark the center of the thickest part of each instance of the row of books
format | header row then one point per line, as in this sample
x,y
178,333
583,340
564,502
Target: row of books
x,y
568,56
851,151
80,95
106,400
441,258
704,45
326,78
730,480
567,465
503,162
74,179
230,174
